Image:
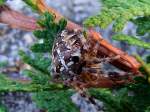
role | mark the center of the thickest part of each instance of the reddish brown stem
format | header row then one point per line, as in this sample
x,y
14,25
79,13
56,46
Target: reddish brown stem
x,y
125,62
17,20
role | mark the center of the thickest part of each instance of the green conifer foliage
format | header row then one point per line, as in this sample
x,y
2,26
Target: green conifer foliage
x,y
143,25
48,33
131,40
119,12
2,2
31,4
55,101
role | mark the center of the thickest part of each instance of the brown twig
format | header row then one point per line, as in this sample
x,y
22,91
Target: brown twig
x,y
17,20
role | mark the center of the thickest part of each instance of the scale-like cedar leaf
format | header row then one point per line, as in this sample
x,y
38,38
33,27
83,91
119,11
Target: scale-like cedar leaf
x,y
3,64
131,40
148,59
119,12
2,2
143,25
113,102
50,31
55,101
31,3
3,108
37,61
9,85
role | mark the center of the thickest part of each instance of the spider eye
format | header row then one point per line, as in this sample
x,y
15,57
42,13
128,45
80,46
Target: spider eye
x,y
75,59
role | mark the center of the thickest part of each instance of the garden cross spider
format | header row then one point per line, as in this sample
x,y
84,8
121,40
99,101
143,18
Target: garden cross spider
x,y
75,60
76,63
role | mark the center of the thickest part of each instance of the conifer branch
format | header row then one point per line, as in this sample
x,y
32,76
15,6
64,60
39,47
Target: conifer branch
x,y
20,21
10,85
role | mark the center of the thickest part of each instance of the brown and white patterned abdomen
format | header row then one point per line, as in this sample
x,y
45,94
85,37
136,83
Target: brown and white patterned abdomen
x,y
67,54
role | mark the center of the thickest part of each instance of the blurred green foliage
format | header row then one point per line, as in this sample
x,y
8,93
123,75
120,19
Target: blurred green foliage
x,y
143,25
2,2
55,101
31,3
119,12
131,40
3,108
3,64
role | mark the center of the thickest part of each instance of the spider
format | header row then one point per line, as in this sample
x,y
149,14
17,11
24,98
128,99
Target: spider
x,y
75,60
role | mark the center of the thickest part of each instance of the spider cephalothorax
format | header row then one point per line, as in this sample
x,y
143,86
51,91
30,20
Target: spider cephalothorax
x,y
75,57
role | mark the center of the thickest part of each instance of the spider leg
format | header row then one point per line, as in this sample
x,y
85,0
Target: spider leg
x,y
94,65
119,77
88,98
102,79
113,80
105,59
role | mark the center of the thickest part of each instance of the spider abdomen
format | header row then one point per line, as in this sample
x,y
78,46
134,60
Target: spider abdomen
x,y
67,54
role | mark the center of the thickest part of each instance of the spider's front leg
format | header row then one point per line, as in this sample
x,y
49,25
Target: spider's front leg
x,y
83,92
104,59
108,82
95,76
